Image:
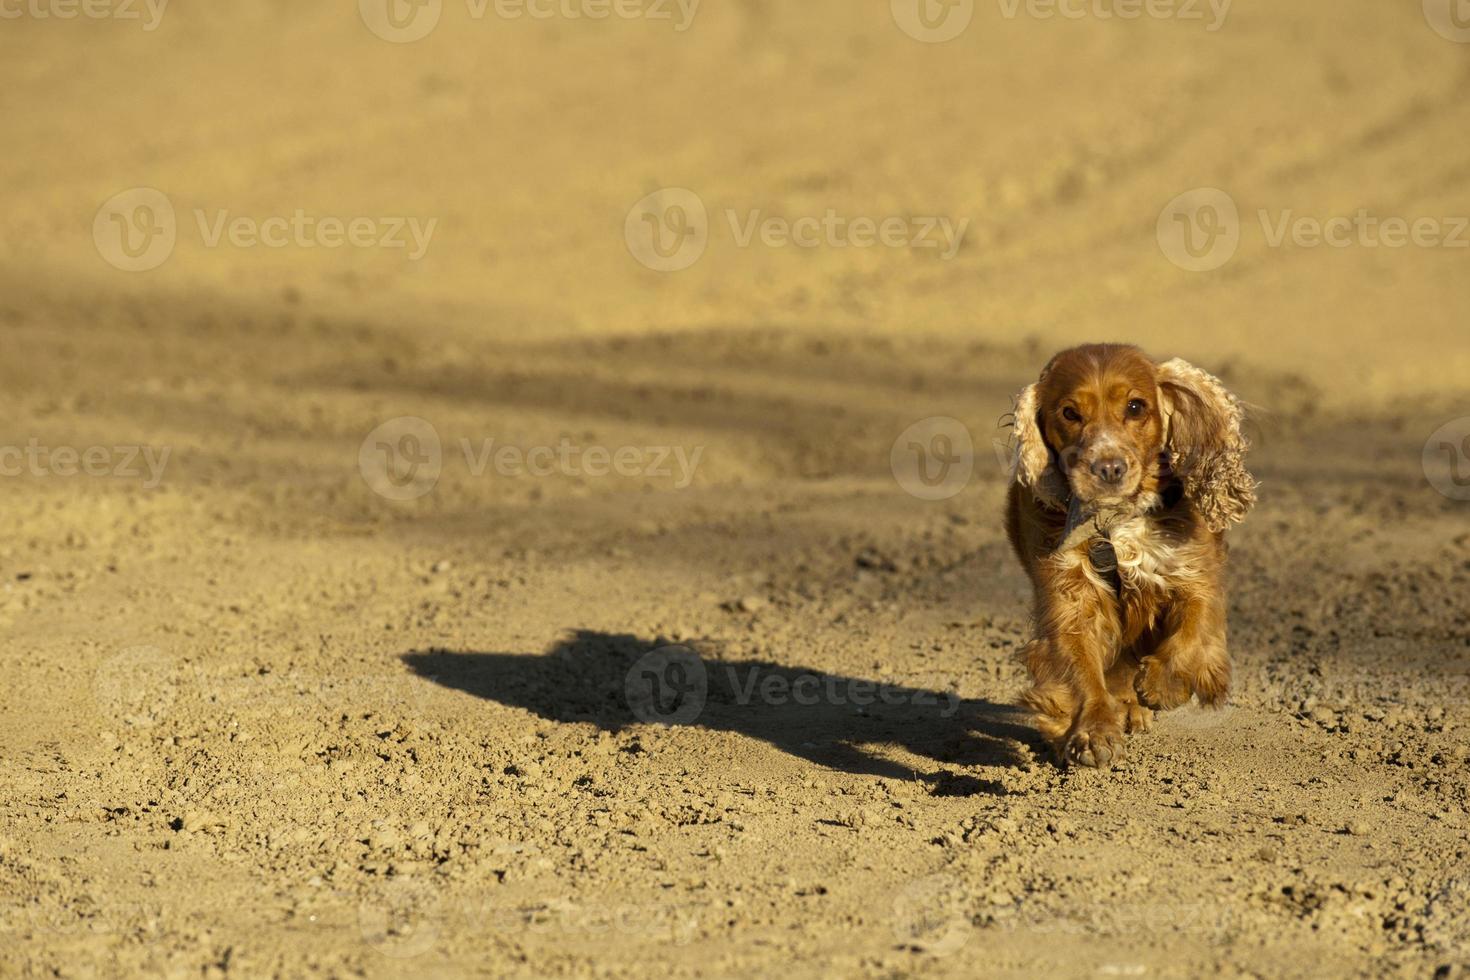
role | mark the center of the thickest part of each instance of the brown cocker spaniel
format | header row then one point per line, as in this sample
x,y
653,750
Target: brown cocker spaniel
x,y
1127,474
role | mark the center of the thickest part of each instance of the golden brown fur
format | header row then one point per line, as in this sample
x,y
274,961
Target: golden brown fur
x,y
1154,453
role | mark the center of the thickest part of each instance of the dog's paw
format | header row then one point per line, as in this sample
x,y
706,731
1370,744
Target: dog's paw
x,y
1212,683
1095,746
1159,686
1139,719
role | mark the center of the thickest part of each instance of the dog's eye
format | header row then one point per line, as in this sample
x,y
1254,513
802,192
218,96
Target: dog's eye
x,y
1136,408
1070,414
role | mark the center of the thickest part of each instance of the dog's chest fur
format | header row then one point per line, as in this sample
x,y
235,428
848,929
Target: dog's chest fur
x,y
1153,565
1151,560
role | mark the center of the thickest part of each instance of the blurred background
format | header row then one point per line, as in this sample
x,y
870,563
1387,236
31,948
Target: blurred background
x,y
1060,139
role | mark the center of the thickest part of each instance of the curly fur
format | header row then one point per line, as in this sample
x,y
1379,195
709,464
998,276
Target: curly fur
x,y
1205,443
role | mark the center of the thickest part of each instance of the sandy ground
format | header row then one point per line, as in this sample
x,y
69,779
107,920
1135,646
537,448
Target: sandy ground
x,y
278,703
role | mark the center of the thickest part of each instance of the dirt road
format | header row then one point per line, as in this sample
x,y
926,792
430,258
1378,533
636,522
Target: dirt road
x,y
520,609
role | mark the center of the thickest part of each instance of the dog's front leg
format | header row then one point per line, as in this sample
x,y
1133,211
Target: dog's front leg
x,y
1192,657
1069,665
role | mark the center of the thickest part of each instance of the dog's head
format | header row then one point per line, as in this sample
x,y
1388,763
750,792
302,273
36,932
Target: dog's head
x,y
1105,425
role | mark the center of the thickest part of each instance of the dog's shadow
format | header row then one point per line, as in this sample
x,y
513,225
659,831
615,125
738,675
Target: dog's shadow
x,y
615,681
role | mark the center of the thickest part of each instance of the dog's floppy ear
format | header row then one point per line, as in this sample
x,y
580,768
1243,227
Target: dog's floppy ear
x,y
1205,443
1030,457
1031,462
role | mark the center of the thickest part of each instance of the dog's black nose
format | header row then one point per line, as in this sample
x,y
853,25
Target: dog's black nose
x,y
1110,470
